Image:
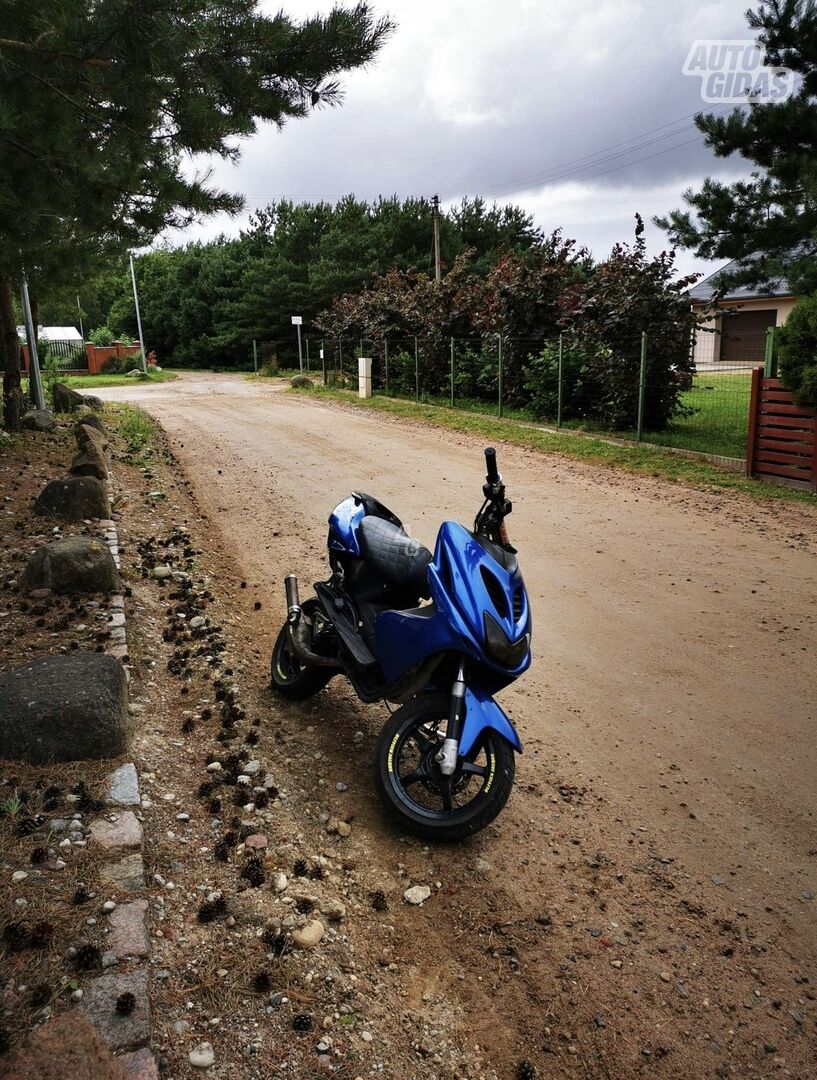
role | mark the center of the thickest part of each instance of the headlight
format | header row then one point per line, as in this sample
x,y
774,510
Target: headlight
x,y
508,653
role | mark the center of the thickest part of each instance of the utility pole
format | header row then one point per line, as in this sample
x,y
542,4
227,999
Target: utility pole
x,y
435,213
35,382
81,330
138,317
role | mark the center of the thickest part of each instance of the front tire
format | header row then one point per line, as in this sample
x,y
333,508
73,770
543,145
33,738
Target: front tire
x,y
289,676
414,791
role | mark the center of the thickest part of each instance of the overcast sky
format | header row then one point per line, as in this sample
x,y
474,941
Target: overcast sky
x,y
516,100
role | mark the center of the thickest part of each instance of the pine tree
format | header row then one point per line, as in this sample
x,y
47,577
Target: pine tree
x,y
103,102
768,222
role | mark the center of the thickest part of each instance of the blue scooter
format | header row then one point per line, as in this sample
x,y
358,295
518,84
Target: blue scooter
x,y
438,636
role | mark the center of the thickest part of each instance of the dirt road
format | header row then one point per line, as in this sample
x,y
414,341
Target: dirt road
x,y
673,683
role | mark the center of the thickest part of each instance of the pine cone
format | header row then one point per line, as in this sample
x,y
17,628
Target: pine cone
x,y
125,1004
301,868
526,1070
302,1022
379,901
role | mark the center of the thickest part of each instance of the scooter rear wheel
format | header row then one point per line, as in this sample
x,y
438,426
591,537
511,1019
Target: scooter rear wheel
x,y
290,677
412,788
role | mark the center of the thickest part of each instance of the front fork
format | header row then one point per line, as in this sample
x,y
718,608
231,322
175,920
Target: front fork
x,y
446,757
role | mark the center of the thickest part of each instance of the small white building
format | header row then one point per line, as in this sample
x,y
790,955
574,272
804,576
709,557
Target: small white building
x,y
55,333
733,334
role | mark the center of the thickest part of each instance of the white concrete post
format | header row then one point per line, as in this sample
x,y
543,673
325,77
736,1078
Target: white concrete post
x,y
364,377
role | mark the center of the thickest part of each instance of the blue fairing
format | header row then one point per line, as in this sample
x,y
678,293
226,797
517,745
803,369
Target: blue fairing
x,y
460,599
481,712
344,522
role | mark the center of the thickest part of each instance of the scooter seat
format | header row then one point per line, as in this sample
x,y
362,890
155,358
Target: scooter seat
x,y
393,553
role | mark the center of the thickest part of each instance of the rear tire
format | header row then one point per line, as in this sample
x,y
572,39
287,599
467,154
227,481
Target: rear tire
x,y
290,677
414,732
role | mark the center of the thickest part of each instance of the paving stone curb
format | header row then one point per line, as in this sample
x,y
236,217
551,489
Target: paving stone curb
x,y
118,834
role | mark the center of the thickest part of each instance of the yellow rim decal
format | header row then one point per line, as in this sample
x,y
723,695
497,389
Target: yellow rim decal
x,y
391,753
491,771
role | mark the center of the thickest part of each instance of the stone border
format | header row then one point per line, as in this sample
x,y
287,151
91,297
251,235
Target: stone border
x,y
119,835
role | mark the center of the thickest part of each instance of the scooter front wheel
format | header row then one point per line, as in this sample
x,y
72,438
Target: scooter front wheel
x,y
414,790
290,677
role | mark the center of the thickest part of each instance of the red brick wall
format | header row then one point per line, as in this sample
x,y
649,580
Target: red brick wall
x,y
97,355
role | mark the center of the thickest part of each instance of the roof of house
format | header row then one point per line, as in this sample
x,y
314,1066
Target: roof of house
x,y
707,288
54,333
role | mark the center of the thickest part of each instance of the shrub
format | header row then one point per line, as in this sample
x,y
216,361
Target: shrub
x,y
112,366
102,336
797,352
130,363
581,397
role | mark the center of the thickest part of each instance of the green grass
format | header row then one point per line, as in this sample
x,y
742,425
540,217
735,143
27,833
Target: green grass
x,y
87,382
719,420
643,460
716,420
136,426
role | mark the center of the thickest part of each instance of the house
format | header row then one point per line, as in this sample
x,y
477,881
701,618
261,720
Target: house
x,y
733,334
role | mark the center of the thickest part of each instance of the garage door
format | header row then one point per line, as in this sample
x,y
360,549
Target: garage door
x,y
743,336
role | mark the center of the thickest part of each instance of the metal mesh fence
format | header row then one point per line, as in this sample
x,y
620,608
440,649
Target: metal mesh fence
x,y
691,394
64,355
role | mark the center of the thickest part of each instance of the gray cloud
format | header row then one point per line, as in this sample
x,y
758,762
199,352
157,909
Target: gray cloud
x,y
500,99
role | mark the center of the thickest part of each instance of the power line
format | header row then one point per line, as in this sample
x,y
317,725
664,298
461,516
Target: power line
x,y
566,168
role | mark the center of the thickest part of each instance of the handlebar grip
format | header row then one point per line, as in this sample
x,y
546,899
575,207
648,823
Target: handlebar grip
x,y
490,464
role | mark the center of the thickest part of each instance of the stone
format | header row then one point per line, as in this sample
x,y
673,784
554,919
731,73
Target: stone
x,y
64,708
343,828
161,572
202,1056
665,976
73,498
125,832
334,910
417,894
90,460
256,842
126,874
39,420
123,786
300,381
93,402
280,882
66,400
66,1046
129,932
77,564
140,1065
307,937
98,1005
87,421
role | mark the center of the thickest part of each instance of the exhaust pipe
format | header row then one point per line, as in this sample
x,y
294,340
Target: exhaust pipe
x,y
299,629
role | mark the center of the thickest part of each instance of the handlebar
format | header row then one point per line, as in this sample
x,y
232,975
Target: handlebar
x,y
490,464
490,521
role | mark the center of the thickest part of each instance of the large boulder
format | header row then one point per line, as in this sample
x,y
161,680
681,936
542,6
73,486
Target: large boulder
x,y
73,498
92,402
78,564
65,399
64,708
300,380
65,1046
90,459
38,420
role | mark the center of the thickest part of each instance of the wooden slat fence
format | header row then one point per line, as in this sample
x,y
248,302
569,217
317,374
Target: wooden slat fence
x,y
782,442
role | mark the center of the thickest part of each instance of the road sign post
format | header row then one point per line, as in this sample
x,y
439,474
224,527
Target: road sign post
x,y
297,322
